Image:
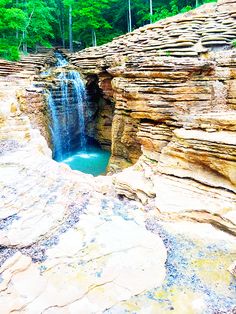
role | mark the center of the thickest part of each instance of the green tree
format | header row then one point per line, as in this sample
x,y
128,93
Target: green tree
x,y
89,19
38,27
12,20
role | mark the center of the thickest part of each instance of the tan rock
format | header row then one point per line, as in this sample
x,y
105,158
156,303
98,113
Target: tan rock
x,y
177,109
104,125
134,185
232,269
124,140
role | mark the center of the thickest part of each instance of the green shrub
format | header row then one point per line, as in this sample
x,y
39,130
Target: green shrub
x,y
9,49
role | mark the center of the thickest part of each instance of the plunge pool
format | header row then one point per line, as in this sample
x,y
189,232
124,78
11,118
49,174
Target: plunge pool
x,y
93,160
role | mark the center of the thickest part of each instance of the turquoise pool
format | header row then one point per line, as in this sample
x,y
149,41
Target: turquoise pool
x,y
92,161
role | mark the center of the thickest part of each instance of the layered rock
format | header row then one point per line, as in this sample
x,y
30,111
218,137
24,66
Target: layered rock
x,y
52,216
33,102
69,245
173,83
187,133
101,109
17,87
125,149
211,26
103,124
28,65
7,68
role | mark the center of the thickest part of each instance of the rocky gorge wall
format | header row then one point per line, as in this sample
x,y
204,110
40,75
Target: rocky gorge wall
x,y
41,207
20,84
37,76
102,109
174,88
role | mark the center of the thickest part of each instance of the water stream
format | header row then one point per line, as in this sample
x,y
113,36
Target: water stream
x,y
67,104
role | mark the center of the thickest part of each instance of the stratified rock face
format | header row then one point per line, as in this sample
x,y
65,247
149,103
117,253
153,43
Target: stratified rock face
x,y
101,110
184,35
103,124
174,83
28,65
17,87
66,243
187,130
125,149
33,102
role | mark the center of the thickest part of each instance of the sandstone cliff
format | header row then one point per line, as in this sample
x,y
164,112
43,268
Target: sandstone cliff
x,y
174,87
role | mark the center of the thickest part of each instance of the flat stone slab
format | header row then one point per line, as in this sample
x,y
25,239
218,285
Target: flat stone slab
x,y
101,254
94,265
68,248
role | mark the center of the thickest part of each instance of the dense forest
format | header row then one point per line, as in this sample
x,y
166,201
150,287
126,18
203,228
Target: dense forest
x,y
26,25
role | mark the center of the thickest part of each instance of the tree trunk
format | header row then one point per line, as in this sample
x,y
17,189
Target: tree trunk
x,y
151,11
24,34
70,29
17,31
24,42
63,30
129,17
94,38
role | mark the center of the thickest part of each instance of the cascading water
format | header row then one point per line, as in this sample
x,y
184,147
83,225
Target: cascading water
x,y
67,104
61,61
79,93
55,129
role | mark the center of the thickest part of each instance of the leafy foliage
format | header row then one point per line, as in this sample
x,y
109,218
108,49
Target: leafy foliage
x,y
39,31
27,24
12,20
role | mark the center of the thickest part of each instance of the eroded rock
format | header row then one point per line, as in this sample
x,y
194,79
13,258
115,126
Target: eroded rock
x,y
173,83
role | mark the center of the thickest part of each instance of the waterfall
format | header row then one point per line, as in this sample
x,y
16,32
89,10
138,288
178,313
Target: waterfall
x,y
61,61
65,111
55,128
79,93
66,102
